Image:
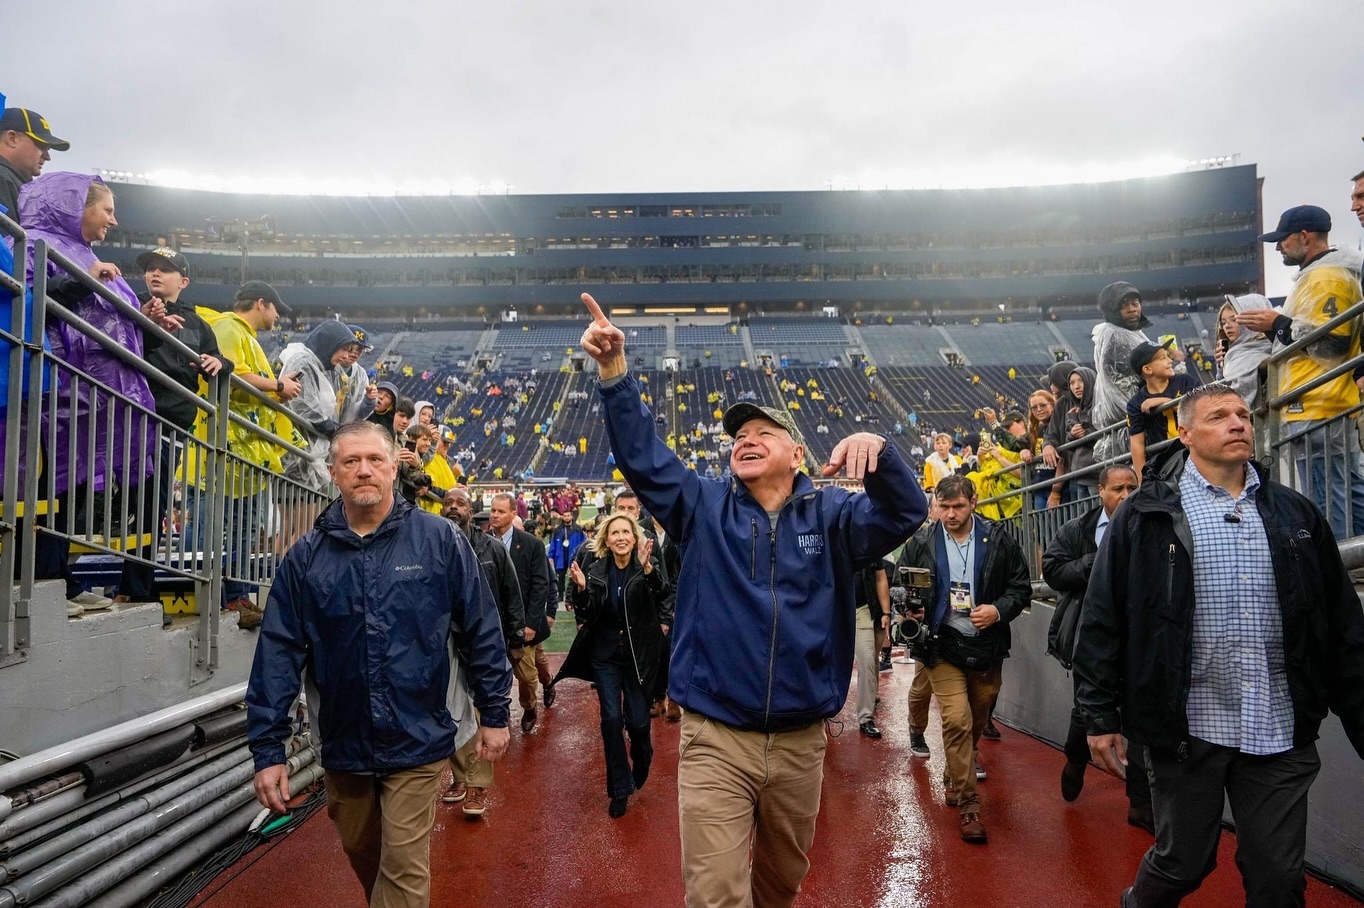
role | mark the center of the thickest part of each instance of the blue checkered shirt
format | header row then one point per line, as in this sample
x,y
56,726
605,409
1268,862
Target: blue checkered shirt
x,y
1238,695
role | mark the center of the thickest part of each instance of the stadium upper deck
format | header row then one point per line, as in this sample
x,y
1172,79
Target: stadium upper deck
x,y
1178,236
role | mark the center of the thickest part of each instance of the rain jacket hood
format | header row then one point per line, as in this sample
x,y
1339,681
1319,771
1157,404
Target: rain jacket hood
x,y
1110,300
50,208
326,339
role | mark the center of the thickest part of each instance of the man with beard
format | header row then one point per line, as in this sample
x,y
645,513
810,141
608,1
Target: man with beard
x,y
1326,449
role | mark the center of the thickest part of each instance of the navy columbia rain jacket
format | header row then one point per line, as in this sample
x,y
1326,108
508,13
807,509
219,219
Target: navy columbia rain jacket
x,y
765,620
369,620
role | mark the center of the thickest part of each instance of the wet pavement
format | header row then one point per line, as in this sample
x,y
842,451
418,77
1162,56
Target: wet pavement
x,y
885,839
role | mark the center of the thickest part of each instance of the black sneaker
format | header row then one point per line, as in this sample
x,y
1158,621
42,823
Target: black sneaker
x,y
917,745
989,732
617,807
884,665
869,729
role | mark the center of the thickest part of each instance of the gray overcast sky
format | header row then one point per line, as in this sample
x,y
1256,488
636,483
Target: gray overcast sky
x,y
605,95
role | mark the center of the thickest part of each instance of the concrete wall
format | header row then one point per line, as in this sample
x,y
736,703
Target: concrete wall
x,y
1037,696
104,668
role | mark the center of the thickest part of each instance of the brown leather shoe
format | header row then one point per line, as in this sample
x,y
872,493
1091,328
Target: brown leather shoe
x,y
528,721
673,712
476,804
972,829
250,614
655,709
455,793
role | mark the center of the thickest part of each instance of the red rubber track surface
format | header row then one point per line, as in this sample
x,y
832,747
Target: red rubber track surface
x,y
884,838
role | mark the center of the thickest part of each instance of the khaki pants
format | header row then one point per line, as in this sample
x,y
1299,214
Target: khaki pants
x,y
466,767
385,827
964,698
533,666
920,692
748,802
867,656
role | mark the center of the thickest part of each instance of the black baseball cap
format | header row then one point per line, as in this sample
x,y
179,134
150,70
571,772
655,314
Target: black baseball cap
x,y
1143,353
259,290
740,413
32,125
1303,217
163,256
361,337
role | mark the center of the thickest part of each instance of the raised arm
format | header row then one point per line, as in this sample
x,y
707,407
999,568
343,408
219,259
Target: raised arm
x,y
668,489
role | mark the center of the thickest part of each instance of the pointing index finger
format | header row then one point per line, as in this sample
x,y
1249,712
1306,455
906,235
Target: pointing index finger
x,y
595,310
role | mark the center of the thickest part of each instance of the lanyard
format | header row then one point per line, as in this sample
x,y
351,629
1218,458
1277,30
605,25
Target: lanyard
x,y
964,552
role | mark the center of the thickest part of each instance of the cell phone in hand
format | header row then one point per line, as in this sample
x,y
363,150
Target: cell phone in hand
x,y
410,446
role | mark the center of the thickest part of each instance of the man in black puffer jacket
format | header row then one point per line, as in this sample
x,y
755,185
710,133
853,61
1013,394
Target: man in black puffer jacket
x,y
1218,629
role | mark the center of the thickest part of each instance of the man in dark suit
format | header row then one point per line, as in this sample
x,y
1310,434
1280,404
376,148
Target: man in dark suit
x,y
532,572
1066,565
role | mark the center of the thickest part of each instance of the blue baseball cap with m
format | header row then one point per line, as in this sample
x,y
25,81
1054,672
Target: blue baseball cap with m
x,y
1303,217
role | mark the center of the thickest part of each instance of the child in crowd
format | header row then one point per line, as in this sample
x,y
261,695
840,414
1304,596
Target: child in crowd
x,y
1161,385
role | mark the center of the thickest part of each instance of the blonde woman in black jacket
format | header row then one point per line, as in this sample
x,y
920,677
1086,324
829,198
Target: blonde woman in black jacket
x,y
621,600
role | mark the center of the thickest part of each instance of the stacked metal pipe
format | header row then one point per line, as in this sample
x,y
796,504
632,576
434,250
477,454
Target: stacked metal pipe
x,y
110,818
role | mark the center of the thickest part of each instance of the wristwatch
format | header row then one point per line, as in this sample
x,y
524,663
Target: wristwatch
x,y
279,386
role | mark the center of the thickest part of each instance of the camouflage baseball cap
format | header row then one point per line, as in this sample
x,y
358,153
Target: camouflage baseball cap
x,y
740,413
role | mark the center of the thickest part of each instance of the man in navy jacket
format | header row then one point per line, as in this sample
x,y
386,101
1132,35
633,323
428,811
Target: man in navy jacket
x,y
765,622
365,603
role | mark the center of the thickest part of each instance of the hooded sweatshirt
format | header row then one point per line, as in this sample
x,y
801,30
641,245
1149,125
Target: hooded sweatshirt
x,y
417,411
1080,413
51,208
1059,377
385,418
1241,364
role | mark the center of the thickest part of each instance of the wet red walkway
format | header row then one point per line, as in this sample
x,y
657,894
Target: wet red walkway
x,y
885,839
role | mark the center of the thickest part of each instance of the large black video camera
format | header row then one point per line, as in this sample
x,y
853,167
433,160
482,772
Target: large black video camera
x,y
909,597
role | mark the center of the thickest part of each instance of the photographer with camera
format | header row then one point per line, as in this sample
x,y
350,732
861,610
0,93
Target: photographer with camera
x,y
909,596
980,582
1066,565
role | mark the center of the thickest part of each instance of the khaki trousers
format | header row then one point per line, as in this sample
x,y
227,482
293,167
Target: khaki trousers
x,y
747,802
385,827
532,667
920,693
466,767
964,698
868,673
